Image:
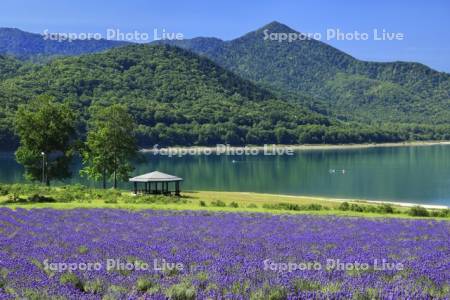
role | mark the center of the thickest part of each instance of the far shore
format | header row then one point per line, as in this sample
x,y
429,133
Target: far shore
x,y
201,149
353,200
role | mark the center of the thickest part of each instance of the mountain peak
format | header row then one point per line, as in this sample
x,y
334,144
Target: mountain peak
x,y
272,27
276,26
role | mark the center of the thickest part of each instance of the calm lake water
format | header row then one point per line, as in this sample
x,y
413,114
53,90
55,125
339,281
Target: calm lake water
x,y
419,174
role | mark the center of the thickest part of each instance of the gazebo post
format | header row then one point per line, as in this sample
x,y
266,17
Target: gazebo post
x,y
135,188
177,188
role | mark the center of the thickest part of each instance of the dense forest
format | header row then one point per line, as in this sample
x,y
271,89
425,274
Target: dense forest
x,y
331,81
180,98
176,97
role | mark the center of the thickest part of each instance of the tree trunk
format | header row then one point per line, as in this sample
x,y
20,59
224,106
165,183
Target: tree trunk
x,y
115,170
47,179
104,179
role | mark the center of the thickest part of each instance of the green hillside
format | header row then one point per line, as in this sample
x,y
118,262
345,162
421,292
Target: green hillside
x,y
177,97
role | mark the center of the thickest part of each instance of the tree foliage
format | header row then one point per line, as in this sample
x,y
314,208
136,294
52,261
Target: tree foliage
x,y
110,144
46,130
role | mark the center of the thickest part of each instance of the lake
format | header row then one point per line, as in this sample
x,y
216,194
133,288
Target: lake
x,y
419,174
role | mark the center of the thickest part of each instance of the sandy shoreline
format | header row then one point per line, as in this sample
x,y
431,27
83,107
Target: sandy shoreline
x,y
403,204
202,149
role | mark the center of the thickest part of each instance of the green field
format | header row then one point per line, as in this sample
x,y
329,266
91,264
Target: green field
x,y
77,196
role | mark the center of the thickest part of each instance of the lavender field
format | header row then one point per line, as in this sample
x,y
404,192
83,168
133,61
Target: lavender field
x,y
118,254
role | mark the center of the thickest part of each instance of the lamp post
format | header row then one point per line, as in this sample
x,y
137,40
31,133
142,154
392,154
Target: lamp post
x,y
43,167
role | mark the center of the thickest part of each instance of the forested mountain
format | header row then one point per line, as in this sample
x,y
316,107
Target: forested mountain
x,y
330,80
177,97
32,46
180,98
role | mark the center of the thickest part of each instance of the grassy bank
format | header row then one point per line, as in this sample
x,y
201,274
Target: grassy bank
x,y
77,196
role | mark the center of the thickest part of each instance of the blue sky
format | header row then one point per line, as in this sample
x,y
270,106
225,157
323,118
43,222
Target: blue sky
x,y
425,24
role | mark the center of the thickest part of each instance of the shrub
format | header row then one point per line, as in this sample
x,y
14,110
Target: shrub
x,y
3,191
202,278
144,284
93,286
111,201
66,197
202,203
70,278
344,206
292,206
356,207
14,198
234,204
269,293
282,206
434,213
386,208
36,294
171,272
257,295
442,213
36,198
252,205
301,285
369,293
115,292
418,211
277,293
3,274
314,207
83,249
181,291
218,203
371,209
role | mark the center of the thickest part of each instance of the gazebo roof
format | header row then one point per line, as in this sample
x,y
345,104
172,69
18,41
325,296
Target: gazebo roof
x,y
155,176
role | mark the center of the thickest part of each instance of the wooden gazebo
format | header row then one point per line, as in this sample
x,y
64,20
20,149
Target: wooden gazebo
x,y
156,183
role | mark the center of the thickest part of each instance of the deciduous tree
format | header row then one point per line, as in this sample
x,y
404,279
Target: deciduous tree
x,y
110,144
47,134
